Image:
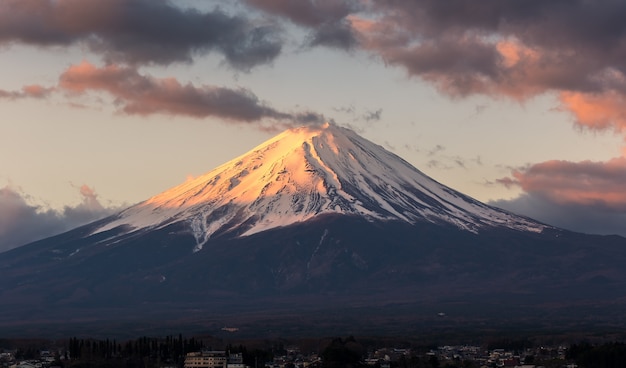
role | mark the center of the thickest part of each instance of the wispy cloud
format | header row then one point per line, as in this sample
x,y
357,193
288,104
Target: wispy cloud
x,y
366,116
436,150
371,116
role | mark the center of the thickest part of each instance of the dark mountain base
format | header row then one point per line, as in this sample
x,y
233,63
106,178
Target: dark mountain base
x,y
335,275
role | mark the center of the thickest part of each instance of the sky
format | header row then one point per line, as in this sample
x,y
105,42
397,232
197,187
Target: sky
x,y
103,104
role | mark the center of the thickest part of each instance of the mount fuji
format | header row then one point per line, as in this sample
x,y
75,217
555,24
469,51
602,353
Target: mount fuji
x,y
315,221
306,172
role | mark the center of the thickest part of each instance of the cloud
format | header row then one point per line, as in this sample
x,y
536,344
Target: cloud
x,y
573,217
503,49
22,223
325,18
596,111
373,115
138,94
507,182
436,150
583,196
506,49
334,34
89,209
30,91
139,31
367,116
574,49
308,12
598,184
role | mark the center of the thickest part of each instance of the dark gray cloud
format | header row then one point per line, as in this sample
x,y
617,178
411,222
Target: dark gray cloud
x,y
513,49
309,13
139,31
575,49
308,118
325,18
507,48
21,222
574,217
337,35
457,67
569,23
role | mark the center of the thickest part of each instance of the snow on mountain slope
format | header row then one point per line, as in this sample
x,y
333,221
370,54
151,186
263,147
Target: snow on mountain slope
x,y
305,172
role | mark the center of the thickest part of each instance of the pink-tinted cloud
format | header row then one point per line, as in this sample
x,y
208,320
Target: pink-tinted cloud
x,y
139,94
30,91
587,183
144,95
22,222
597,111
582,196
139,31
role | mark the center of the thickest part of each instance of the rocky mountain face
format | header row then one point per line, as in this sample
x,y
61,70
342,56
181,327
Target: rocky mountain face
x,y
311,222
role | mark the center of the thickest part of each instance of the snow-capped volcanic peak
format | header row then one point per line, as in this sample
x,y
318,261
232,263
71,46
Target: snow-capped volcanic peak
x,y
305,172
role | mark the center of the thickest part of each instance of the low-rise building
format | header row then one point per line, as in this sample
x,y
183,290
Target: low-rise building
x,y
214,359
206,359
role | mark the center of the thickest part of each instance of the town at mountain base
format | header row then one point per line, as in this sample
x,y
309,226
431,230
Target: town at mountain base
x,y
317,227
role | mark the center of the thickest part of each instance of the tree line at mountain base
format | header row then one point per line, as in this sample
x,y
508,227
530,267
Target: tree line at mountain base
x,y
148,352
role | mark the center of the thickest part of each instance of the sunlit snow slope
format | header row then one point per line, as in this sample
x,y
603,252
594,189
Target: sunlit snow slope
x,y
306,172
